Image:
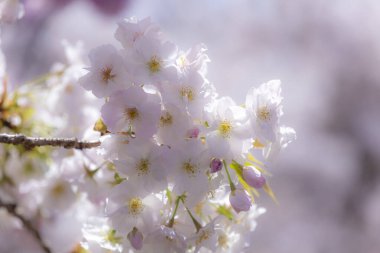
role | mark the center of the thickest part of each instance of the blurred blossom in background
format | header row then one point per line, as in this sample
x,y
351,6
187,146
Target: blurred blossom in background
x,y
326,53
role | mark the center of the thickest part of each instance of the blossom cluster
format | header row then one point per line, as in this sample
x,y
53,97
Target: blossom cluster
x,y
171,137
179,167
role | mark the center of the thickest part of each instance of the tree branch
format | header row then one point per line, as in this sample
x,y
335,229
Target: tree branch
x,y
31,142
11,208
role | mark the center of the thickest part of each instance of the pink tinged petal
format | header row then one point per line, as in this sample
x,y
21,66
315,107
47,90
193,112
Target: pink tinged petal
x,y
193,133
216,165
239,200
135,237
254,178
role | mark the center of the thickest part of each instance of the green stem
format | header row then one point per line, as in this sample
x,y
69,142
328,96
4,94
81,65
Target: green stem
x,y
171,221
232,186
196,223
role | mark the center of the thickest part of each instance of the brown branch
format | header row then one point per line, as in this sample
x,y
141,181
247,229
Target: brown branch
x,y
11,208
31,142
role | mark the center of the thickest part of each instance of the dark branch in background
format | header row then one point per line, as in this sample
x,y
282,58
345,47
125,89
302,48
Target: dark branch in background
x,y
11,208
31,142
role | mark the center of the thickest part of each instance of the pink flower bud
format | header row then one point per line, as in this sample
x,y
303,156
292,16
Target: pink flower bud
x,y
135,237
253,177
193,133
239,200
216,165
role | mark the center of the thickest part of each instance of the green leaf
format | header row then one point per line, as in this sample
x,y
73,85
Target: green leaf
x,y
225,211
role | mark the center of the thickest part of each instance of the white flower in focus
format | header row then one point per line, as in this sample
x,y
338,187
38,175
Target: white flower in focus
x,y
130,207
189,171
144,163
264,107
195,59
151,60
174,126
132,109
228,129
107,73
187,92
131,30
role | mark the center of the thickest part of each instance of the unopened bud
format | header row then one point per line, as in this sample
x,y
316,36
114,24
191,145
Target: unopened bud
x,y
216,165
253,177
240,200
135,237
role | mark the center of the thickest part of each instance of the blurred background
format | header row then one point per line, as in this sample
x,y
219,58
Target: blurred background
x,y
327,54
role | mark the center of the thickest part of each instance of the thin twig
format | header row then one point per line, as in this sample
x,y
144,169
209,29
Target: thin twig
x,y
11,208
31,142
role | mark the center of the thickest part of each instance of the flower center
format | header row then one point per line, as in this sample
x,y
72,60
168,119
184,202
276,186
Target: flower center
x,y
131,113
182,62
107,74
58,190
166,119
223,240
203,236
187,93
135,206
263,113
225,128
154,64
190,168
143,167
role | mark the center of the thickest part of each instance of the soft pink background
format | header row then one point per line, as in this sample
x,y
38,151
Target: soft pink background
x,y
327,55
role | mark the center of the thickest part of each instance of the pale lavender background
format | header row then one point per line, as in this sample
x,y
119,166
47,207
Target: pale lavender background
x,y
327,53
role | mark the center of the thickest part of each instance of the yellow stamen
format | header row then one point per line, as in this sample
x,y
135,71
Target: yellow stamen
x,y
223,241
58,189
263,113
131,113
143,167
204,235
107,74
154,64
225,128
135,206
187,93
166,119
190,168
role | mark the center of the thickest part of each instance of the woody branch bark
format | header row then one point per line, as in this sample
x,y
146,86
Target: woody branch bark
x,y
11,208
31,142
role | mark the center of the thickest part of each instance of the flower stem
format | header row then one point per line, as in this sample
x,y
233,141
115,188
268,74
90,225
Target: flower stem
x,y
232,186
196,223
171,221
